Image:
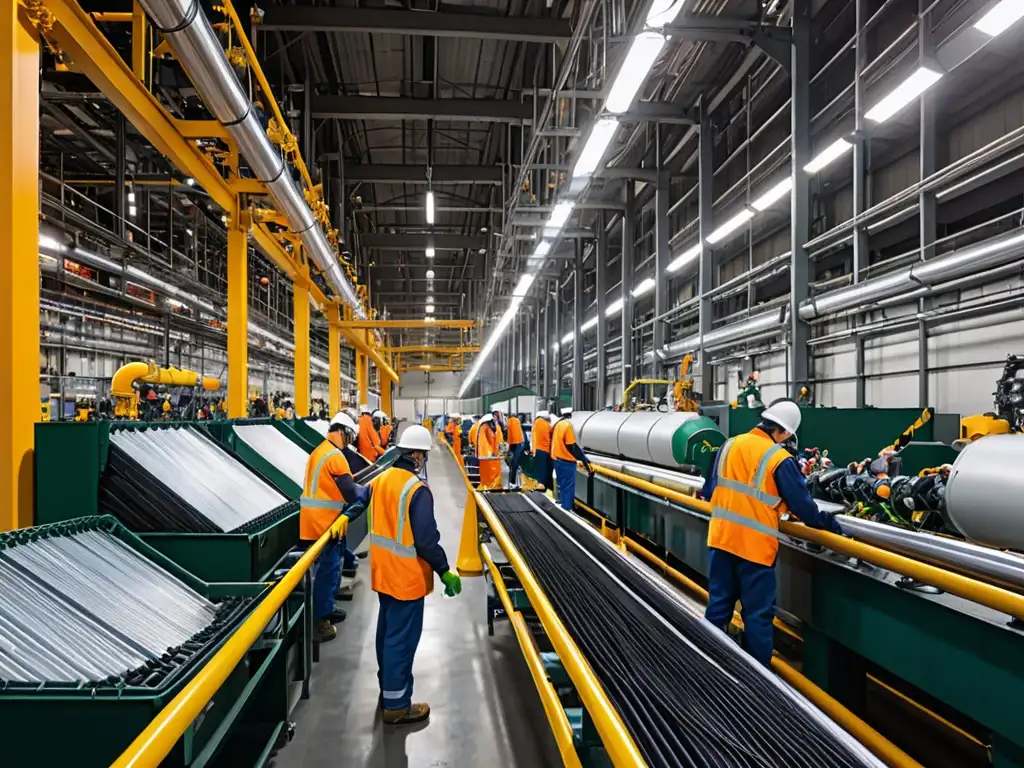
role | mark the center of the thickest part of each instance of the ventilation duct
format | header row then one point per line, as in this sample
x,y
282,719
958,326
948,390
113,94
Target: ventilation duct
x,y
756,328
186,28
962,262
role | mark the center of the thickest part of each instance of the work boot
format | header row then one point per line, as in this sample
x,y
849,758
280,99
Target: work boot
x,y
344,593
363,555
416,713
337,616
323,631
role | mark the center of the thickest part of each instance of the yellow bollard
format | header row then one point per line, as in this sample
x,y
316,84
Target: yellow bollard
x,y
469,562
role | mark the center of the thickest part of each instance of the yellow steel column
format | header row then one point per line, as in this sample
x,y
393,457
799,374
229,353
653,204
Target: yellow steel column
x,y
140,42
19,267
333,360
238,317
363,371
300,317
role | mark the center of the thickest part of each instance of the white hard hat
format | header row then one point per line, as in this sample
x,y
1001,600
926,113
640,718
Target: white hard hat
x,y
552,418
364,408
542,414
566,411
379,414
785,413
454,416
415,438
346,421
487,418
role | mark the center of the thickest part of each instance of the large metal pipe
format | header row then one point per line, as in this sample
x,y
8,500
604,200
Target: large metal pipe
x,y
648,437
187,30
763,325
987,254
984,490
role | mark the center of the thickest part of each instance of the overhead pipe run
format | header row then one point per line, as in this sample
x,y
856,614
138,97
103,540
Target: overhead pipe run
x,y
188,32
126,398
987,254
757,327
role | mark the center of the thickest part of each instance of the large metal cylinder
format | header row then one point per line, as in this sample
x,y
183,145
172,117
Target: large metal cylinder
x,y
648,437
984,492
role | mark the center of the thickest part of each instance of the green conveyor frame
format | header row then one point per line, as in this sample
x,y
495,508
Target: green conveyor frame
x,y
246,718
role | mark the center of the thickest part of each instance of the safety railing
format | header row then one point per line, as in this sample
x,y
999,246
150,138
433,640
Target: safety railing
x,y
159,737
989,595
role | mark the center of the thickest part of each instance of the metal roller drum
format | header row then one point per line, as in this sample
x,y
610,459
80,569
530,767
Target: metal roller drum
x,y
661,441
635,433
649,437
276,448
984,492
601,425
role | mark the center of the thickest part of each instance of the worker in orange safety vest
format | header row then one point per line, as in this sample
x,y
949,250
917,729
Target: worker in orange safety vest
x,y
517,446
565,453
541,437
368,441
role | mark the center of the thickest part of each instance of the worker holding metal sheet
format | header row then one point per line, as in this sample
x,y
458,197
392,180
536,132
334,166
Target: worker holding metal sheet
x,y
565,452
754,482
405,553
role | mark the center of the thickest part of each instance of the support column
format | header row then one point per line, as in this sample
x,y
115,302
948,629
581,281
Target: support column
x,y
626,262
363,374
578,309
120,190
386,403
561,322
543,348
140,43
705,278
860,183
333,360
19,277
601,288
662,256
238,316
926,199
800,222
538,344
551,348
300,321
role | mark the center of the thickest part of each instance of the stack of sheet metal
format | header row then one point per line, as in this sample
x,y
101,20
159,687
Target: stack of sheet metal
x,y
687,695
178,479
276,448
320,425
86,607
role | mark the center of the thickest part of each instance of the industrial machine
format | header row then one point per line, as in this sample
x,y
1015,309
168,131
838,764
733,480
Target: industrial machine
x,y
1008,416
100,631
126,396
750,392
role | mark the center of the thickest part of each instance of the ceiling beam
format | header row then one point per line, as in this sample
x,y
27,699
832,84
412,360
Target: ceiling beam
x,y
417,174
401,108
418,242
401,22
369,325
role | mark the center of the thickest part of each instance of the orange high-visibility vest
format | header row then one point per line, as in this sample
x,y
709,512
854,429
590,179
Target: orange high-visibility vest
x,y
542,435
368,442
486,444
385,435
472,434
562,436
395,569
515,431
321,501
745,506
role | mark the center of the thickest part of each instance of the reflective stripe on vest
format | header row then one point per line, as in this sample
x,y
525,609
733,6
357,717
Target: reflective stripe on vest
x,y
748,522
395,545
311,501
754,490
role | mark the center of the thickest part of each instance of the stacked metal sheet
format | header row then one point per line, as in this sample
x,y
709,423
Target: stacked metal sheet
x,y
320,425
686,693
276,448
87,607
202,487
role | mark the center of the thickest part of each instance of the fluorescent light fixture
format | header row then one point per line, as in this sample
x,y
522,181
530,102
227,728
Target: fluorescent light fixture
x,y
664,12
430,252
600,136
645,286
430,274
591,323
559,215
642,54
132,210
523,285
773,195
492,341
542,249
1003,16
730,226
190,181
430,206
829,155
904,93
683,258
188,231
568,337
430,300
51,244
131,196
614,308
430,309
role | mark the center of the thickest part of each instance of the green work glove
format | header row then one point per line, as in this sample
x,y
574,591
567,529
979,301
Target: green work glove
x,y
452,584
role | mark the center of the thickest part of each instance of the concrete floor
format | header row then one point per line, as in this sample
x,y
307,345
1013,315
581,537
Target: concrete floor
x,y
484,706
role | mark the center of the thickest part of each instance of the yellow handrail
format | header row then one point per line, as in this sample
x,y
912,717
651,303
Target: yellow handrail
x,y
994,597
159,737
618,742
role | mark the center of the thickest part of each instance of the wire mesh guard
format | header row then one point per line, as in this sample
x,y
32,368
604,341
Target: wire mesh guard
x,y
86,607
686,695
204,488
276,448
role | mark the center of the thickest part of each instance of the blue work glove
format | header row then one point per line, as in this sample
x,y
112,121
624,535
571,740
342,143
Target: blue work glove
x,y
831,524
452,584
354,510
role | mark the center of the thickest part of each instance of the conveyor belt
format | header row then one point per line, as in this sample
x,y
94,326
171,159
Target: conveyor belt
x,y
687,695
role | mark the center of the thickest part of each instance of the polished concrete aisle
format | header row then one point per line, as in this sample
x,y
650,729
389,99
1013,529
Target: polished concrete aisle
x,y
484,706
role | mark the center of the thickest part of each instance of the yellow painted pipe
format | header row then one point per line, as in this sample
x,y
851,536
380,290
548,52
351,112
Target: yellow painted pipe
x,y
159,737
994,597
619,744
127,374
553,708
121,383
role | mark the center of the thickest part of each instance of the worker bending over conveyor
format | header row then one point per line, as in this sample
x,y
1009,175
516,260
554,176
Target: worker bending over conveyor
x,y
328,491
369,440
517,446
754,482
405,553
541,434
566,452
453,432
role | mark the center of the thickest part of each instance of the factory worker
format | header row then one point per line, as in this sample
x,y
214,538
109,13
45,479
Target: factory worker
x,y
541,433
405,553
754,481
328,490
385,428
472,434
453,431
499,425
355,461
517,446
565,453
368,441
486,449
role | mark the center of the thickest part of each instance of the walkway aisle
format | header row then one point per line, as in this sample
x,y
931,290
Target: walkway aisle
x,y
484,707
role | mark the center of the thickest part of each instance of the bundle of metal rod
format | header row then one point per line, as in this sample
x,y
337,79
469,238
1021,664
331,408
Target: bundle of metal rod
x,y
199,479
86,607
687,694
276,448
677,481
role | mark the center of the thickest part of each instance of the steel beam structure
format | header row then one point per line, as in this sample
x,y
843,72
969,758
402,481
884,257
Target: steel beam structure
x,y
800,222
601,288
662,257
300,321
19,274
926,202
705,276
238,318
626,263
426,349
334,362
386,241
577,330
371,325
860,182
425,23
401,108
417,174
